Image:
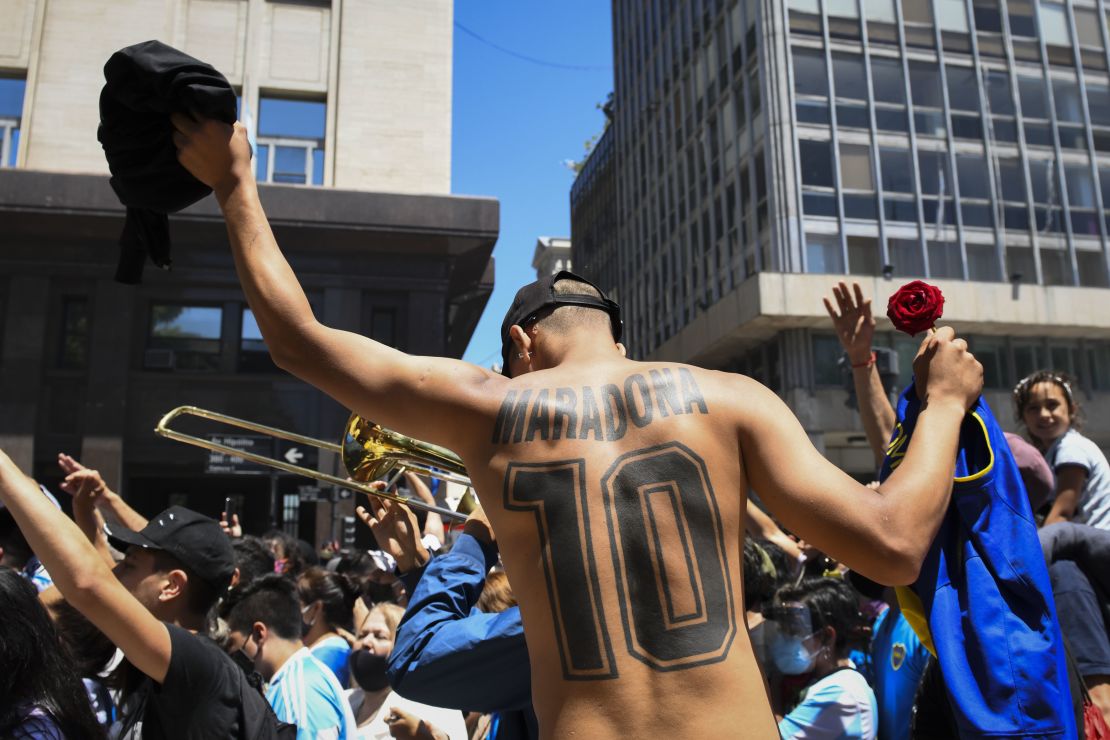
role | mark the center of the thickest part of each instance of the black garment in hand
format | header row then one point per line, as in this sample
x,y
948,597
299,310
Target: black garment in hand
x,y
145,83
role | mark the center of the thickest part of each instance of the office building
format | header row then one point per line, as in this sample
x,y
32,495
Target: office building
x,y
350,104
764,150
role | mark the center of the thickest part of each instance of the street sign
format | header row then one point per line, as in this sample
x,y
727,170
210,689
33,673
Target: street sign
x,y
309,493
224,464
295,453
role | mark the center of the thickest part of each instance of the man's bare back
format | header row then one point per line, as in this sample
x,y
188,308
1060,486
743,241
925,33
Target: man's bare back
x,y
623,541
618,509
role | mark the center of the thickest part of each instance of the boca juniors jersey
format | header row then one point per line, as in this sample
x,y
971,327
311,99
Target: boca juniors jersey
x,y
983,601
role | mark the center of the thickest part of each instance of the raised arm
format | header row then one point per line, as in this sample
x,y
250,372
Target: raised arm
x,y
855,328
82,576
102,496
883,533
429,398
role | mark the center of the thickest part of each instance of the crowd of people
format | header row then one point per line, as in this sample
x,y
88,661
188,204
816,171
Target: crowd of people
x,y
606,586
421,637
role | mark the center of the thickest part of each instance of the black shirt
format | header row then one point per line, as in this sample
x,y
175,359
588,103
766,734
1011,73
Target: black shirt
x,y
203,695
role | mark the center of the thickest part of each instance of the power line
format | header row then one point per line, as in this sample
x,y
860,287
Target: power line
x,y
531,59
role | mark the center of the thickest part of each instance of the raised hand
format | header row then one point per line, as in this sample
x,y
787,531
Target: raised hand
x,y
84,485
212,151
395,529
854,323
232,529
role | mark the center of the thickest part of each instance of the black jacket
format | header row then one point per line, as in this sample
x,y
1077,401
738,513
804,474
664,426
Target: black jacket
x,y
144,84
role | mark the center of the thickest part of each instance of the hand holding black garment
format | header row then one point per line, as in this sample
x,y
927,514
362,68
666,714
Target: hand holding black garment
x,y
144,84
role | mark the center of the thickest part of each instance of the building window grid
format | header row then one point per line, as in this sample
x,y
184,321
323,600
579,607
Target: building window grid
x,y
1012,67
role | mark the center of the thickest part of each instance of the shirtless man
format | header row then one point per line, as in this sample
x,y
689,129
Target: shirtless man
x,y
612,485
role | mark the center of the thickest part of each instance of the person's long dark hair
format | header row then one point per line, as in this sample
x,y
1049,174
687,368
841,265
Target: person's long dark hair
x,y
336,591
37,671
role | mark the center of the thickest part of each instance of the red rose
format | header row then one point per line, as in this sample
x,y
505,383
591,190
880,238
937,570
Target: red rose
x,y
915,307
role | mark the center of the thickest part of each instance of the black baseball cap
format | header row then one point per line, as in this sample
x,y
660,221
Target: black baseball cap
x,y
535,297
193,539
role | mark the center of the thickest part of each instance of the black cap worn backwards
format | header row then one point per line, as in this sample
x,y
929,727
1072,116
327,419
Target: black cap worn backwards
x,y
535,297
194,540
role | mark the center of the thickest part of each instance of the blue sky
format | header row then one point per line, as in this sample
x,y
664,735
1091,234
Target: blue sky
x,y
516,121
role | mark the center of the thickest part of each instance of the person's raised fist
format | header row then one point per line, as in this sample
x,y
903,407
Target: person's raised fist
x,y
946,372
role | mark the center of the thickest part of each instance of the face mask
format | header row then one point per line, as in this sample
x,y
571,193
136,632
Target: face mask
x,y
791,656
368,669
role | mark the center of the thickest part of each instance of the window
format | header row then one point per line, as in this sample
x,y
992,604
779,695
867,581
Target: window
x,y
944,260
1089,31
73,350
881,19
1098,360
991,353
918,16
936,188
988,24
888,81
1000,106
291,141
963,99
1023,26
928,102
1081,200
816,162
982,263
810,77
11,115
897,170
184,337
823,254
849,76
1092,266
858,182
1034,106
804,18
864,257
254,357
975,196
826,360
1054,29
843,18
953,25
906,257
1046,195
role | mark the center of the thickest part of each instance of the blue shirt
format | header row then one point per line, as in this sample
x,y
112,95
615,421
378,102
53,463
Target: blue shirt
x,y
449,654
304,692
840,706
982,602
898,661
333,652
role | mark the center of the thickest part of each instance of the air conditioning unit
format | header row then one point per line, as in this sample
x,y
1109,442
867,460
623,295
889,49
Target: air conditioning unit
x,y
159,359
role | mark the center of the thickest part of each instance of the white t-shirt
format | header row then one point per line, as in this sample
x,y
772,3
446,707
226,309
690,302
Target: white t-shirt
x,y
840,705
1094,500
449,721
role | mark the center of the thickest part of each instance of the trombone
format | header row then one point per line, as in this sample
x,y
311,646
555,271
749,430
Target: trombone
x,y
368,451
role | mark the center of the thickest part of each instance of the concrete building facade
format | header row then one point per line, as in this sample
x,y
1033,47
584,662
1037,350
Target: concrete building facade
x,y
350,102
552,254
764,150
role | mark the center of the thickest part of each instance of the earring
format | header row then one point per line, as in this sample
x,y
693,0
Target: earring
x,y
522,355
